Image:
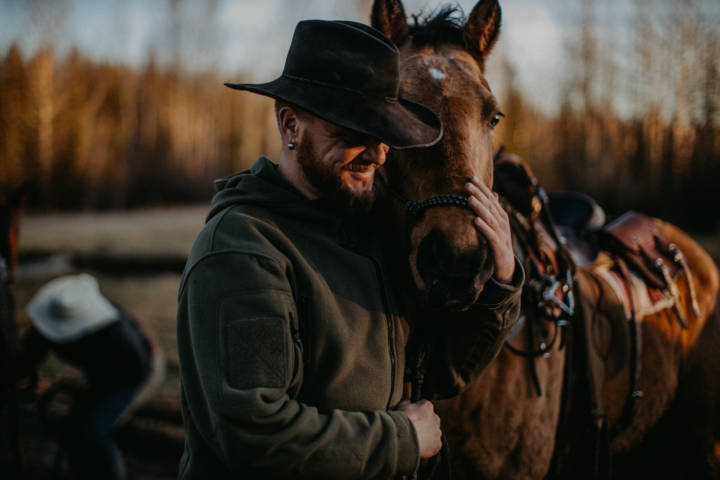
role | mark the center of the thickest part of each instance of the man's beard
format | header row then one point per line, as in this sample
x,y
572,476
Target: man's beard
x,y
329,184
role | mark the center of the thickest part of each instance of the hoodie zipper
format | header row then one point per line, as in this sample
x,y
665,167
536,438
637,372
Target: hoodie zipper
x,y
349,243
391,330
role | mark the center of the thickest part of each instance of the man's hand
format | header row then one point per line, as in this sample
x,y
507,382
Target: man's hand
x,y
493,223
427,426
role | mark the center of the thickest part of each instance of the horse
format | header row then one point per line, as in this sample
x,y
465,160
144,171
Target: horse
x,y
10,207
508,423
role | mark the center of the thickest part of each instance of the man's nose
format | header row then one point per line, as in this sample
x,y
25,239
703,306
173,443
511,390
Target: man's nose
x,y
377,152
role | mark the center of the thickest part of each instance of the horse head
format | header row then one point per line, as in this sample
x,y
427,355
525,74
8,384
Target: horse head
x,y
442,62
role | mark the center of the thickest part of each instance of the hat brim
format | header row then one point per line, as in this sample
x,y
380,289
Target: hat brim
x,y
399,123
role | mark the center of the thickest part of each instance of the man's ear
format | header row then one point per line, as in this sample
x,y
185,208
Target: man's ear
x,y
288,122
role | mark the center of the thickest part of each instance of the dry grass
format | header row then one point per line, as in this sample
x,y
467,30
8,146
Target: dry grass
x,y
153,232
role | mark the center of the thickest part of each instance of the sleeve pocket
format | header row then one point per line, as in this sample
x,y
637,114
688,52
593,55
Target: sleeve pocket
x,y
256,352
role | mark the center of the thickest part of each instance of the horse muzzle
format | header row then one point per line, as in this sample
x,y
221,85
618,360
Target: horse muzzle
x,y
451,273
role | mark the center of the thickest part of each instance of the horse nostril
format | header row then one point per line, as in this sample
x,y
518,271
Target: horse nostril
x,y
451,272
432,258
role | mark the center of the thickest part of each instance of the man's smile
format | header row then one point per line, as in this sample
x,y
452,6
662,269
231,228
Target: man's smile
x,y
360,166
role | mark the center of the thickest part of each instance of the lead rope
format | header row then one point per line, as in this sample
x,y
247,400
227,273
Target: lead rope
x,y
443,457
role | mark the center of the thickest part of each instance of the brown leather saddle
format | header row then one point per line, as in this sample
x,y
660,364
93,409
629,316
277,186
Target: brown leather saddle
x,y
554,235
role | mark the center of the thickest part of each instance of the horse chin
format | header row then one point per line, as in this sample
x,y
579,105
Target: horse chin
x,y
457,304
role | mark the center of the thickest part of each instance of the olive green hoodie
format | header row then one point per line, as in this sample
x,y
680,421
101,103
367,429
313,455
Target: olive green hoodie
x,y
291,346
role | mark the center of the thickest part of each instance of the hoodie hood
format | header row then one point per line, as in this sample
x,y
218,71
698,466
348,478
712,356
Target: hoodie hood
x,y
261,185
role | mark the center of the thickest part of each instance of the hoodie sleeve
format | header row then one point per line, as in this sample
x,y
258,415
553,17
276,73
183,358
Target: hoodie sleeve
x,y
240,363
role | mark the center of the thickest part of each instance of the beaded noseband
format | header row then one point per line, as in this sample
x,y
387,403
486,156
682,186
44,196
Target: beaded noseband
x,y
415,209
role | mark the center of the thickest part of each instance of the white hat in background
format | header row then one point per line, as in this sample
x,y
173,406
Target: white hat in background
x,y
69,307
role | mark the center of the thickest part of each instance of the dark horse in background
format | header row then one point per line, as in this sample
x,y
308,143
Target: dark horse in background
x,y
10,205
499,426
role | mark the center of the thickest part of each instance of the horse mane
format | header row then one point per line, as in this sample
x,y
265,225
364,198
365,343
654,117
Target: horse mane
x,y
442,25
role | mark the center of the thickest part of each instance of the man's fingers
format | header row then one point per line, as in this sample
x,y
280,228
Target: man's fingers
x,y
490,211
480,186
493,223
476,181
481,212
497,241
427,426
487,230
473,189
486,197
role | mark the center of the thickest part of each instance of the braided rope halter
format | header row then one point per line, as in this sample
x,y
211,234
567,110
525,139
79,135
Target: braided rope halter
x,y
415,209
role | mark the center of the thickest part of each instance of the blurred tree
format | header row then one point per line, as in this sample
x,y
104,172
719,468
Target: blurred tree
x,y
637,127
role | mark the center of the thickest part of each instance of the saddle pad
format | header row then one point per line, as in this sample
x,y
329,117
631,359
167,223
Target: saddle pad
x,y
634,294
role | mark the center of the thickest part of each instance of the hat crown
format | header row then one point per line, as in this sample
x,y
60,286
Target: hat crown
x,y
348,74
71,302
344,55
66,308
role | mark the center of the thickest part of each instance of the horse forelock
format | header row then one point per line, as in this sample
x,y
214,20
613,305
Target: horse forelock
x,y
441,26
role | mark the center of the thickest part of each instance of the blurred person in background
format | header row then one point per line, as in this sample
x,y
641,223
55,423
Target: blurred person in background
x,y
290,339
117,359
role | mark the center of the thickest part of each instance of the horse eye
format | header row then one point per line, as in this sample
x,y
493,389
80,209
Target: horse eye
x,y
496,119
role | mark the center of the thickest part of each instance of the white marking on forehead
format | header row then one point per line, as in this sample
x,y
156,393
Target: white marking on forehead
x,y
437,66
436,74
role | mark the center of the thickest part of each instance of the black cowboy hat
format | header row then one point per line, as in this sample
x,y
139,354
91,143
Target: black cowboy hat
x,y
347,73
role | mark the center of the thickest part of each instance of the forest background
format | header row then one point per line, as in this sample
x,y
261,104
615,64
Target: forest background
x,y
634,120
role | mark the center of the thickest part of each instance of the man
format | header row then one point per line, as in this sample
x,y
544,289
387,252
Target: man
x,y
75,321
292,349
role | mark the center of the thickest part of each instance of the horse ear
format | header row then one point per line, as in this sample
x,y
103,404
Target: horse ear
x,y
482,28
388,16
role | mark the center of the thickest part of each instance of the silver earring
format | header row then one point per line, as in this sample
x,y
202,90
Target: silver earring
x,y
291,146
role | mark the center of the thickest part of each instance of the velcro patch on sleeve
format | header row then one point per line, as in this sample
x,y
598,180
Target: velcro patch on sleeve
x,y
256,353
